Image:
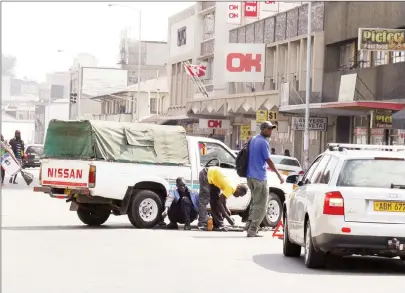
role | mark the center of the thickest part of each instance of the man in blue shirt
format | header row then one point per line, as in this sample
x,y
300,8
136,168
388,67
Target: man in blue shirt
x,y
259,158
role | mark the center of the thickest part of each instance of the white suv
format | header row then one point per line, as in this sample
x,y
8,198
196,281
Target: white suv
x,y
351,201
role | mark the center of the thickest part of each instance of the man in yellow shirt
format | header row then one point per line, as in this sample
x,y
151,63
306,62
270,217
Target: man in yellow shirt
x,y
215,188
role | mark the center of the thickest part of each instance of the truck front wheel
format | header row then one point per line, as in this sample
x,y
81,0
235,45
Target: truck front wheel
x,y
95,216
144,209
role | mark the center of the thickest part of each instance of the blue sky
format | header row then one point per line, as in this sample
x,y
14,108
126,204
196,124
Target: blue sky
x,y
33,32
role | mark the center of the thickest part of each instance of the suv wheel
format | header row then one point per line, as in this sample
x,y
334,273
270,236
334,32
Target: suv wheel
x,y
273,211
313,259
289,249
145,209
93,216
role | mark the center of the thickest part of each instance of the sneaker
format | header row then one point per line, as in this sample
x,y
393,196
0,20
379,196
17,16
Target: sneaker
x,y
172,226
202,227
187,226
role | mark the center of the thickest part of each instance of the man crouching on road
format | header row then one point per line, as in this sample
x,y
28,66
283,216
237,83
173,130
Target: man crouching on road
x,y
215,188
181,206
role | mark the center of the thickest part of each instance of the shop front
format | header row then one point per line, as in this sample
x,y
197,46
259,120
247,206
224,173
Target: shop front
x,y
215,128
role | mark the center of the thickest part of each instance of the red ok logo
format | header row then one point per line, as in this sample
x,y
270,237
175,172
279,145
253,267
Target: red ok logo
x,y
233,15
238,62
214,124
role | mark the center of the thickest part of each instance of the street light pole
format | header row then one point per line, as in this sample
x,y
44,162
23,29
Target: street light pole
x,y
308,88
137,104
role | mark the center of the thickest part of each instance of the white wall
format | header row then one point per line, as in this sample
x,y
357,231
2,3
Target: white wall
x,y
156,53
175,51
59,109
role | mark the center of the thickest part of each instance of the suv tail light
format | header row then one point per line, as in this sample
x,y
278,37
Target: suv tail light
x,y
333,204
92,176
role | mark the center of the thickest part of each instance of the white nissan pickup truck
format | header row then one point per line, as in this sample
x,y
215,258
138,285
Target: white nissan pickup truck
x,y
97,185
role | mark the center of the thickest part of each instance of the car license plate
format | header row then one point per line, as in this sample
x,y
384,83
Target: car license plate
x,y
388,206
67,192
285,173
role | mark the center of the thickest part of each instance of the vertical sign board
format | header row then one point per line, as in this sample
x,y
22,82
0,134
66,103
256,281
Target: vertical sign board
x,y
251,9
273,116
381,39
315,124
244,62
261,116
244,132
234,13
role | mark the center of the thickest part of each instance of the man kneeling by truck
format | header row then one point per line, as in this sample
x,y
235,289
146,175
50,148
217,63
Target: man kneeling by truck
x,y
181,206
215,188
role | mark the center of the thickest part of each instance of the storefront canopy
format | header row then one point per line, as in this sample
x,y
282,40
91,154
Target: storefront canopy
x,y
398,120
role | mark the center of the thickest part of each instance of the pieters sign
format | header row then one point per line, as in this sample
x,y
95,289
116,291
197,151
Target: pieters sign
x,y
315,124
379,39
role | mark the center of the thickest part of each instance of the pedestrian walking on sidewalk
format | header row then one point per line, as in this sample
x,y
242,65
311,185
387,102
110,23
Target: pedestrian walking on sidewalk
x,y
17,146
259,156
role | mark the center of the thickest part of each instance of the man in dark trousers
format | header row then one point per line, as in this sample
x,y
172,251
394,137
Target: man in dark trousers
x,y
259,157
215,188
17,145
181,206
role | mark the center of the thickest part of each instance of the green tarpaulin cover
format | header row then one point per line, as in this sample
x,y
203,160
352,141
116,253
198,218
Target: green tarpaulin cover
x,y
116,141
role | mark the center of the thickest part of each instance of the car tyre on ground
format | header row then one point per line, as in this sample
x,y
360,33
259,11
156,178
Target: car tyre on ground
x,y
93,217
145,209
273,211
289,249
313,259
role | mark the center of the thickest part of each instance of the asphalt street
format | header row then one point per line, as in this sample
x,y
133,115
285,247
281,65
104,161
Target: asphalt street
x,y
45,248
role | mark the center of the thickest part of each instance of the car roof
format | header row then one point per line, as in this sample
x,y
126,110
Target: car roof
x,y
366,154
284,157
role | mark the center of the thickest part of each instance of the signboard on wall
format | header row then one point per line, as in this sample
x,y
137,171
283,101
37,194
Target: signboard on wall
x,y
261,116
315,124
244,62
381,39
273,116
269,6
382,120
214,124
244,132
234,13
251,9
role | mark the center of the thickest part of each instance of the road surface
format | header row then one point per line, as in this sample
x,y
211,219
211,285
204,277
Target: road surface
x,y
46,249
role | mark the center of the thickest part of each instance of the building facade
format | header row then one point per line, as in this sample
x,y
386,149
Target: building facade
x,y
153,58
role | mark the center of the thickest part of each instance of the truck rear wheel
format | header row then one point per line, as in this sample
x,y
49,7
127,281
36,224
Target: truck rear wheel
x,y
144,209
93,216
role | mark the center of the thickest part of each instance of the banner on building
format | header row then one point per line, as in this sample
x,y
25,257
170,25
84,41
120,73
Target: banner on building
x,y
315,124
380,39
234,13
214,124
244,62
244,132
251,9
261,116
273,116
272,6
382,119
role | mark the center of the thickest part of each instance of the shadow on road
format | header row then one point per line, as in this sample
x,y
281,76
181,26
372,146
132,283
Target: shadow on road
x,y
340,266
70,227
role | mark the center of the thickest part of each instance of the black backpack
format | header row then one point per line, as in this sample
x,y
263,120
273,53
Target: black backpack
x,y
242,160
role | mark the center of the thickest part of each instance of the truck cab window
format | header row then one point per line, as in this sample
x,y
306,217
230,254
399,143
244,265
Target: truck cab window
x,y
209,151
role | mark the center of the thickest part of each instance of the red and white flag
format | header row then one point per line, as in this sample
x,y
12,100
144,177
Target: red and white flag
x,y
196,70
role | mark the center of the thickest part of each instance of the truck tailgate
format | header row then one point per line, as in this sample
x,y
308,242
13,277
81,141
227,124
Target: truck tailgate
x,y
65,173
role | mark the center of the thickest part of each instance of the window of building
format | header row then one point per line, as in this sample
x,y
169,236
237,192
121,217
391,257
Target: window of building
x,y
364,59
379,58
209,26
181,36
397,57
346,55
153,105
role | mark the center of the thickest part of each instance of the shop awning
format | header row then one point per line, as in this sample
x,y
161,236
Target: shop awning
x,y
398,120
343,108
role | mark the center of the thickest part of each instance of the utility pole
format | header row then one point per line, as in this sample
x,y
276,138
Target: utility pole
x,y
308,88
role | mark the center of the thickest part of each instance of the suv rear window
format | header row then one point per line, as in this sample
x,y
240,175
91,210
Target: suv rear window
x,y
372,173
284,161
39,150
